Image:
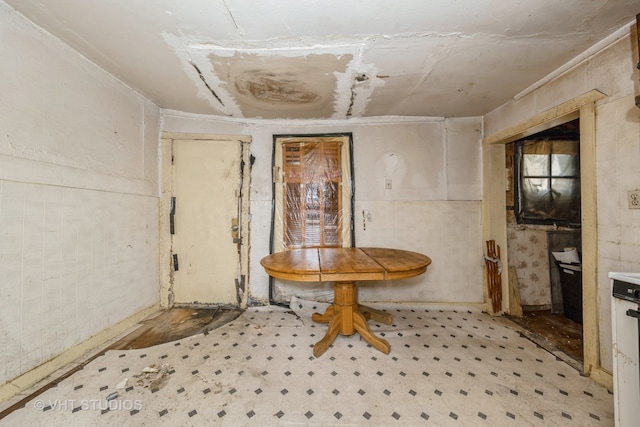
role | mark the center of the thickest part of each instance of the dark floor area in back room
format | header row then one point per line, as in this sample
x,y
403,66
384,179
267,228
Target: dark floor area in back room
x,y
554,332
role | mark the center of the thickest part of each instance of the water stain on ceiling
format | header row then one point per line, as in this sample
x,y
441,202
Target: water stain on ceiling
x,y
335,59
278,86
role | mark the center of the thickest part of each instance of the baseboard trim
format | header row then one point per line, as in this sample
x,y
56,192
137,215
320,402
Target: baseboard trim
x,y
26,384
602,377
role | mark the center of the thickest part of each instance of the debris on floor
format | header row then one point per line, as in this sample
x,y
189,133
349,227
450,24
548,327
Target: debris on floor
x,y
153,377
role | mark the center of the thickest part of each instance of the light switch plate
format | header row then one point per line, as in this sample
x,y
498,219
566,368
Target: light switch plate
x,y
634,199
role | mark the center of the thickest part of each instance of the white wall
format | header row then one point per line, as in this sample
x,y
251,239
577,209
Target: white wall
x,y
433,206
78,198
613,72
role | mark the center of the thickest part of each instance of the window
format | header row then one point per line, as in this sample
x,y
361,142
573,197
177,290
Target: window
x,y
313,192
548,181
313,184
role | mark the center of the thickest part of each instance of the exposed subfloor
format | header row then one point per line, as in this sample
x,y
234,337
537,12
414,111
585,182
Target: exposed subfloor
x,y
446,367
175,324
554,331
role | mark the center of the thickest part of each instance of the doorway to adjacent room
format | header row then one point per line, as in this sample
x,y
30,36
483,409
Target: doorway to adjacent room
x,y
313,201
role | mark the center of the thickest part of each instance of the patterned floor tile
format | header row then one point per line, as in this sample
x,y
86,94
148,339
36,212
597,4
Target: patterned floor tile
x,y
446,367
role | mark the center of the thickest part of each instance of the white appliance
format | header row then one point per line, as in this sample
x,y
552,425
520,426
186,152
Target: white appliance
x,y
625,322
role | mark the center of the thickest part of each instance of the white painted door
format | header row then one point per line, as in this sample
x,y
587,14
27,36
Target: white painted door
x,y
207,182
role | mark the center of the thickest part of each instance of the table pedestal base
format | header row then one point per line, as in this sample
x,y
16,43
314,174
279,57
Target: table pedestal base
x,y
346,317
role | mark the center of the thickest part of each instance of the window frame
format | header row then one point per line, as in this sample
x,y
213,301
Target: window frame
x,y
276,240
520,215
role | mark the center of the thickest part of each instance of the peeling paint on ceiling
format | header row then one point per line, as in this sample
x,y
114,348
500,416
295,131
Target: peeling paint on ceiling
x,y
287,59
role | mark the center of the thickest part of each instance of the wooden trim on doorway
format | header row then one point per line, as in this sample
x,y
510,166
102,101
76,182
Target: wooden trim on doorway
x,y
204,136
564,112
589,196
494,218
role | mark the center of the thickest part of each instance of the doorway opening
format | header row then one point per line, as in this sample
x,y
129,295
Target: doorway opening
x,y
312,202
544,231
494,223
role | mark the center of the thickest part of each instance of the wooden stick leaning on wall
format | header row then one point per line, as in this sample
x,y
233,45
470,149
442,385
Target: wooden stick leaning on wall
x,y
494,278
515,305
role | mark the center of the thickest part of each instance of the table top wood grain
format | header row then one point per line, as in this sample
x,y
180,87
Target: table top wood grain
x,y
345,264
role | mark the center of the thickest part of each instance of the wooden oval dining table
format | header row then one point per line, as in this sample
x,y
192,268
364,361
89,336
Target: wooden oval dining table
x,y
345,267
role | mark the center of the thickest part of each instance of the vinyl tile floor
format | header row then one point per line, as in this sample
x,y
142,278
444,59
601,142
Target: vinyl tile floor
x,y
446,367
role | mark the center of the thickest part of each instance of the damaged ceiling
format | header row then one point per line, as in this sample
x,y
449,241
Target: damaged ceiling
x,y
333,59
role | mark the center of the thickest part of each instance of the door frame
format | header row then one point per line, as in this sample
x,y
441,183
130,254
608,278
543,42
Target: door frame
x,y
274,246
164,211
494,213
